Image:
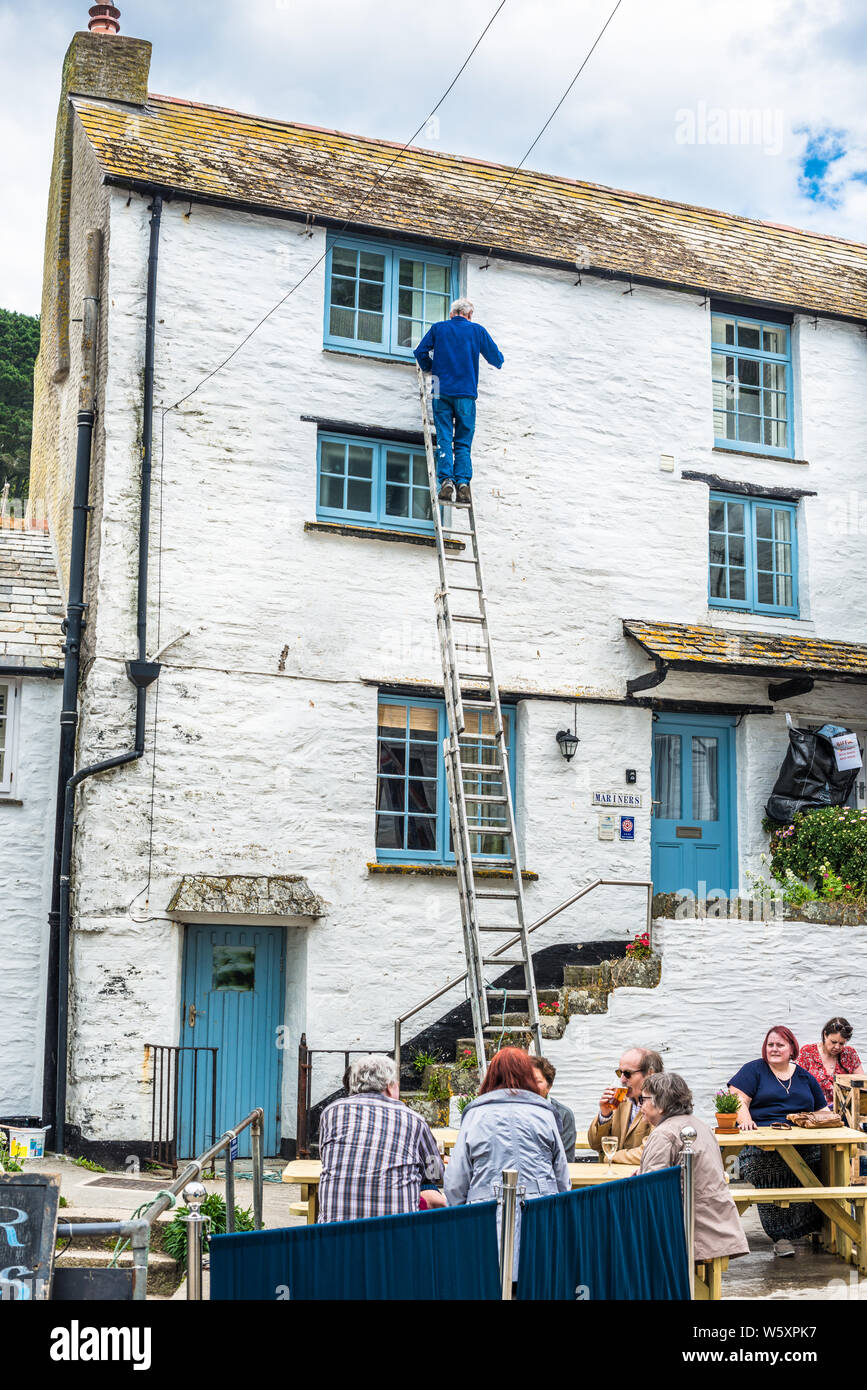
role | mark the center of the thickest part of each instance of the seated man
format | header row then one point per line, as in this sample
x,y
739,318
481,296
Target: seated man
x,y
624,1120
376,1153
565,1118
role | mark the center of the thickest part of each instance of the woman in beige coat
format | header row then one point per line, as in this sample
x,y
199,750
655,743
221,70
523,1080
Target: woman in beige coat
x,y
666,1103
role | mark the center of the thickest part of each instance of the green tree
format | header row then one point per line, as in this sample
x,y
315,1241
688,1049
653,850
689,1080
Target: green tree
x,y
19,344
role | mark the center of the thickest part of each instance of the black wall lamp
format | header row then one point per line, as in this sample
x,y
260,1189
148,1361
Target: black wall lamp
x,y
568,742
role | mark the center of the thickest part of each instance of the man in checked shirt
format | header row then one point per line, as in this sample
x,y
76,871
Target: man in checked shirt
x,y
376,1153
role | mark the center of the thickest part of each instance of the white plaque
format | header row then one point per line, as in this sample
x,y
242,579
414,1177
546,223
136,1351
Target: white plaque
x,y
606,827
630,801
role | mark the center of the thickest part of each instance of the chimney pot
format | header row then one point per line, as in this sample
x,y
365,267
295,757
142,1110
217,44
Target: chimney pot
x,y
104,19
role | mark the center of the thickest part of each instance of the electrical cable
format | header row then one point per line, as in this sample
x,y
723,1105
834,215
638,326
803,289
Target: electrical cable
x,y
349,220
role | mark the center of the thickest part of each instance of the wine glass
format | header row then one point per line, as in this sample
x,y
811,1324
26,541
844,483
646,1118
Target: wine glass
x,y
609,1148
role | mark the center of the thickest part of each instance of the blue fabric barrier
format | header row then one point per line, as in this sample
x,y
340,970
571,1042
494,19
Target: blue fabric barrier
x,y
442,1254
621,1240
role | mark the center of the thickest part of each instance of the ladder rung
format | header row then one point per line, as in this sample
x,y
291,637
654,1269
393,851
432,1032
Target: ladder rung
x,y
493,769
503,960
460,559
481,738
482,796
453,531
498,897
467,588
513,929
471,646
477,704
508,991
527,1027
467,618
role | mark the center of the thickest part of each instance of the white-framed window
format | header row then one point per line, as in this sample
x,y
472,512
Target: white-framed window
x,y
10,695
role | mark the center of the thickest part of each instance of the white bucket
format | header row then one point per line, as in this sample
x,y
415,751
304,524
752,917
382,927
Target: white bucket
x,y
27,1143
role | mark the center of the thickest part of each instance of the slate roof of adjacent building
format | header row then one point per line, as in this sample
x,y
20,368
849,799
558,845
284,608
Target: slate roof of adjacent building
x,y
283,167
721,649
31,605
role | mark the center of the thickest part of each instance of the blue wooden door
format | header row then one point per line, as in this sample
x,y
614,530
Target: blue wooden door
x,y
694,827
233,992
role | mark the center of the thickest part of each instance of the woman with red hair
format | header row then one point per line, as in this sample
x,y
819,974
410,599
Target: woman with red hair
x,y
770,1088
509,1125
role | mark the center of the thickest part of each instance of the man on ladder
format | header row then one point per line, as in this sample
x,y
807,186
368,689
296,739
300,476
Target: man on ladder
x,y
456,343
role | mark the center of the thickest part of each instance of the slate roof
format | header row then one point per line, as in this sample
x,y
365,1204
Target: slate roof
x,y
761,653
278,166
31,605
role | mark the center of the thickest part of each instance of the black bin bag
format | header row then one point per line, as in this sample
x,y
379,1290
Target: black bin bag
x,y
809,777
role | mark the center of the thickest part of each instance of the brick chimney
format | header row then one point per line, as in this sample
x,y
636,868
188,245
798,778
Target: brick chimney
x,y
104,19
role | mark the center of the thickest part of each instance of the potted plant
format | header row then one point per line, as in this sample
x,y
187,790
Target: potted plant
x,y
727,1107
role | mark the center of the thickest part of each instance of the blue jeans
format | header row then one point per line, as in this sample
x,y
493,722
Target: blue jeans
x,y
455,419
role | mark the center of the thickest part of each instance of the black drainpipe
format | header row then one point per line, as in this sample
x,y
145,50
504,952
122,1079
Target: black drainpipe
x,y
140,671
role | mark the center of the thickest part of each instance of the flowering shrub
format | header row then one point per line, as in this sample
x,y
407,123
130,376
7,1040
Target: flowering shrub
x,y
829,847
467,1059
639,949
551,1008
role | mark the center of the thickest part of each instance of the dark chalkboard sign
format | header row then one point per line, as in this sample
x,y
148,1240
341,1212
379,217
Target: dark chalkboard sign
x,y
28,1229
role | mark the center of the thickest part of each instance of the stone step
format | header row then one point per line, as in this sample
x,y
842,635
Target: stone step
x,y
164,1273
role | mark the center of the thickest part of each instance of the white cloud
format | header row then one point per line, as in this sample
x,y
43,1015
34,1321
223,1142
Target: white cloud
x,y
377,68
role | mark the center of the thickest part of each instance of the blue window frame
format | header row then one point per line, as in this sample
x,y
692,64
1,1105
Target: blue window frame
x,y
373,481
412,813
381,299
752,385
753,554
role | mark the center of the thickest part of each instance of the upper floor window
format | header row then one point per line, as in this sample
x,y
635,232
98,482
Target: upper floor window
x,y
753,554
752,385
382,299
412,812
8,705
373,481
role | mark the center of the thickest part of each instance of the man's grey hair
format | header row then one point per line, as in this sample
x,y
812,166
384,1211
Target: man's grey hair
x,y
650,1061
669,1093
461,306
372,1072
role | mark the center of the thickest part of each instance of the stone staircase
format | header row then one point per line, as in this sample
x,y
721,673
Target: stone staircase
x,y
585,990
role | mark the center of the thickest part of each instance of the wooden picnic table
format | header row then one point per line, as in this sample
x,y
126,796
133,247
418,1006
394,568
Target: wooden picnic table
x,y
838,1147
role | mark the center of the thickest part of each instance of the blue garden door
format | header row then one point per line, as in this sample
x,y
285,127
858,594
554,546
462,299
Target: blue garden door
x,y
694,825
233,993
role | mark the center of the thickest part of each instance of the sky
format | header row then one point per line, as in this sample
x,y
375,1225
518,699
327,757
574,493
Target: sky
x,y
751,106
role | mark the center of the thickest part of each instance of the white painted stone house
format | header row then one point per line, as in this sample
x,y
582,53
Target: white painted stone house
x,y
233,887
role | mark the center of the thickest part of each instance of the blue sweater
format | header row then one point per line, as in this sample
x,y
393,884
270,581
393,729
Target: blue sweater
x,y
456,344
770,1102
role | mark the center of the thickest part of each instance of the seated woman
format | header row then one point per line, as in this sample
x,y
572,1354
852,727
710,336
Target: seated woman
x,y
770,1088
666,1104
508,1125
831,1057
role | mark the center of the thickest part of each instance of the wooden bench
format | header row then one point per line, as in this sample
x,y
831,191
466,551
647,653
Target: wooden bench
x,y
708,1278
833,1202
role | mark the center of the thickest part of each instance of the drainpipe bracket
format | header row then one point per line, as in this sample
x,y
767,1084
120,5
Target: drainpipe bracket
x,y
143,673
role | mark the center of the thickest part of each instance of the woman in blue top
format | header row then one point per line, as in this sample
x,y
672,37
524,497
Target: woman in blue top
x,y
770,1088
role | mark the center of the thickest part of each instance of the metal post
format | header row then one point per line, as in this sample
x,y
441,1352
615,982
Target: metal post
x,y
140,1242
687,1162
229,1176
194,1194
258,1169
302,1144
508,1211
397,1047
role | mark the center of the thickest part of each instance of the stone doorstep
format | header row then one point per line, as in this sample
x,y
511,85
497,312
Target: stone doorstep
x,y
164,1273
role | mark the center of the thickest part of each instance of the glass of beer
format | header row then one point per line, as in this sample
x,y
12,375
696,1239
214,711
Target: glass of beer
x,y
620,1094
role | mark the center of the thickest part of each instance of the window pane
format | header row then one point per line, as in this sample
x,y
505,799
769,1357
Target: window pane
x,y
369,295
343,291
396,500
749,402
748,335
423,722
358,498
411,273
749,427
397,467
718,582
390,794
392,758
389,832
722,330
737,584
783,525
372,265
774,403
774,339
784,590
392,720
776,433
748,372
719,366
705,778
666,775
360,461
764,555
438,278
370,328
419,470
736,517
423,759
764,521
331,492
405,335
730,430
421,509
736,551
421,833
765,587
342,323
344,261
717,550
717,516
774,376
234,967
422,796
333,458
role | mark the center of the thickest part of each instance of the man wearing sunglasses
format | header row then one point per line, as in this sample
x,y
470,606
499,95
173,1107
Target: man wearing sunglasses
x,y
623,1119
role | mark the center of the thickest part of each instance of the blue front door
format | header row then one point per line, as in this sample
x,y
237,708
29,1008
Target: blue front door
x,y
694,828
233,992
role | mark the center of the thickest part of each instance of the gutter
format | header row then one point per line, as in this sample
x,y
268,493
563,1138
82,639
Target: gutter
x,y
140,671
52,673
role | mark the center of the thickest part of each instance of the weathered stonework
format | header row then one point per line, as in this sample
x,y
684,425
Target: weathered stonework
x,y
287,895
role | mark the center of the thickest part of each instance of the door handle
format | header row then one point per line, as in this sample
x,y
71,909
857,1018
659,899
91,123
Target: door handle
x,y
654,802
193,1013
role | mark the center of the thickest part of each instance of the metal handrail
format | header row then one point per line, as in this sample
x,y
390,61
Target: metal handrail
x,y
138,1232
555,911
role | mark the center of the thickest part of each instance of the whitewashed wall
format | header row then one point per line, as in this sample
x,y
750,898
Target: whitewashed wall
x,y
267,708
724,984
26,845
